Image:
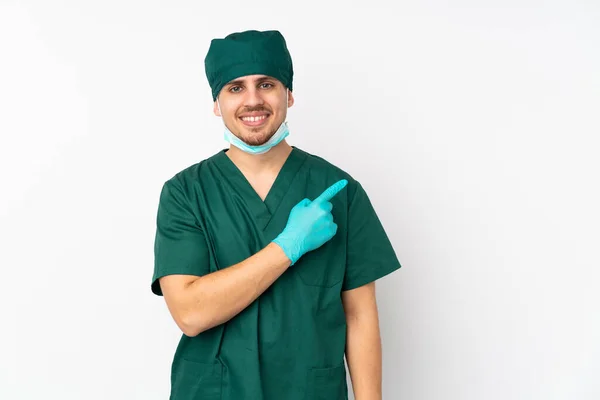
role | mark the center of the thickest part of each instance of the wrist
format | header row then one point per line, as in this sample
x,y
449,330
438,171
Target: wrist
x,y
279,254
284,244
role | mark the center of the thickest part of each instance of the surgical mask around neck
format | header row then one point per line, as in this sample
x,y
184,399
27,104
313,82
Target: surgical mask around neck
x,y
281,133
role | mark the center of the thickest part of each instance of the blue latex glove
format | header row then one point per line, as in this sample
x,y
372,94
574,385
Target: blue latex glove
x,y
310,224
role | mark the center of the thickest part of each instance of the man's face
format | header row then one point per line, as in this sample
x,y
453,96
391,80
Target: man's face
x,y
253,107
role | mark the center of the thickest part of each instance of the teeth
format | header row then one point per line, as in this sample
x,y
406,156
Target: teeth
x,y
254,119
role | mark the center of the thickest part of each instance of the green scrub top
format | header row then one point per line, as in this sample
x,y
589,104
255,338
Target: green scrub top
x,y
289,343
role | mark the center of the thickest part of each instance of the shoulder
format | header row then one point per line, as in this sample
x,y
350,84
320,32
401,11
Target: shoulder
x,y
333,172
191,175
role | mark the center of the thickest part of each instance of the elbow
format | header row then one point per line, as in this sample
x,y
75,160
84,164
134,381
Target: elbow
x,y
191,325
190,331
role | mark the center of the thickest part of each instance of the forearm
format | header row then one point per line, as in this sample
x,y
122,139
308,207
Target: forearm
x,y
217,297
363,354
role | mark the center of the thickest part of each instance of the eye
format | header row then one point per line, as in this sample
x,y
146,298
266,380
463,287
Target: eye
x,y
232,89
268,85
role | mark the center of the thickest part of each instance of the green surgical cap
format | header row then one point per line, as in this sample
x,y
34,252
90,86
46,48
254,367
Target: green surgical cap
x,y
248,53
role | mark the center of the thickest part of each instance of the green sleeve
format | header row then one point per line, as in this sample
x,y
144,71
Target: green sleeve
x,y
370,254
179,245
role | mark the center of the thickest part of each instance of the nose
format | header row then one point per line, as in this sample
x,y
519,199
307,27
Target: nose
x,y
253,98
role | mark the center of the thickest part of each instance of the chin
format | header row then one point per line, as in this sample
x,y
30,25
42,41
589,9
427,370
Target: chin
x,y
254,141
255,138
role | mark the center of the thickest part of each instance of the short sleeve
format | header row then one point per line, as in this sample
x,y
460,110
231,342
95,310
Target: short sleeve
x,y
370,254
179,246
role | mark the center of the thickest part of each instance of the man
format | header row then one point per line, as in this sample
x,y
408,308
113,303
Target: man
x,y
266,255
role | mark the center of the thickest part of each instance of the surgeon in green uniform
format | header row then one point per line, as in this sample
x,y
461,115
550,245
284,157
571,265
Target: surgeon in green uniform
x,y
266,254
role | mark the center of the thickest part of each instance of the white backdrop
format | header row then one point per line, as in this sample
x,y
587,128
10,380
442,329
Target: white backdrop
x,y
473,126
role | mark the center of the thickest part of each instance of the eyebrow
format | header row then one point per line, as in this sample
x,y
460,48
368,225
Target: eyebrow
x,y
241,81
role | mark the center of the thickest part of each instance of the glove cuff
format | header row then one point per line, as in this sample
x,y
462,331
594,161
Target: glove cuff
x,y
281,243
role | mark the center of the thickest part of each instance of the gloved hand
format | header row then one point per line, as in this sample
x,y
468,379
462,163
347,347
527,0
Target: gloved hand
x,y
310,224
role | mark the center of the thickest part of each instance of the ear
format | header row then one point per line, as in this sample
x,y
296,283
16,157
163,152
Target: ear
x,y
290,98
216,109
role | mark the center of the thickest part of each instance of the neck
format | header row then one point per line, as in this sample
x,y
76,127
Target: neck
x,y
257,163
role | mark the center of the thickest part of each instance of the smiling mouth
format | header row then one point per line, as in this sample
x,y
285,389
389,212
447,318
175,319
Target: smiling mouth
x,y
255,120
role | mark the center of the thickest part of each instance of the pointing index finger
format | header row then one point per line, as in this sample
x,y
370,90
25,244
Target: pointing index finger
x,y
331,191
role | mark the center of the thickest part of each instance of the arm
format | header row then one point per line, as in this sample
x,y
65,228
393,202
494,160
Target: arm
x,y
200,303
200,300
363,342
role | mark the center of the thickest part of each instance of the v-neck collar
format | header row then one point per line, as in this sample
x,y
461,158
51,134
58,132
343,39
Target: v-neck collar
x,y
263,211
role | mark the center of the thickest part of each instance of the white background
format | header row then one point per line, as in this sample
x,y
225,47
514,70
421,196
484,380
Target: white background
x,y
473,126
